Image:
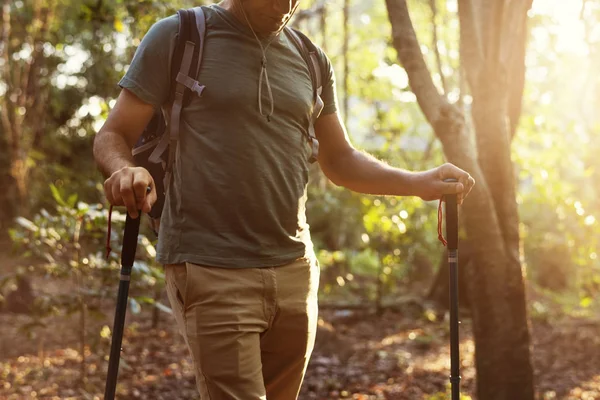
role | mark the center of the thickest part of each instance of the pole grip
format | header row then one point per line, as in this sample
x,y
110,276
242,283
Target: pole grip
x,y
130,237
451,218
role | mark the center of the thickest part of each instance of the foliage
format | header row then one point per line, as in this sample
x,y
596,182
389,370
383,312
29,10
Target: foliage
x,y
557,164
72,56
68,246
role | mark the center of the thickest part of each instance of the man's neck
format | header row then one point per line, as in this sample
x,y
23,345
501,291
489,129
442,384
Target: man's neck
x,y
233,7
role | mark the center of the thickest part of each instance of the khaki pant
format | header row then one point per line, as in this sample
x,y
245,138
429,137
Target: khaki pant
x,y
250,331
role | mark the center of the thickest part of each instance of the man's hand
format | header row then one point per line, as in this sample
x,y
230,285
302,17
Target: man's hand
x,y
128,187
431,186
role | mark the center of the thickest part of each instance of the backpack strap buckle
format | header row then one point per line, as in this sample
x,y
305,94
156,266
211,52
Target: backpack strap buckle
x,y
315,150
314,144
190,83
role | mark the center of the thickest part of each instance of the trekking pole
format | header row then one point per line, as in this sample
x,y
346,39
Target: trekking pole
x,y
452,237
130,237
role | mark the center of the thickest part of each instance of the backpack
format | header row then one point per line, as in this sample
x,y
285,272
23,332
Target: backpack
x,y
155,149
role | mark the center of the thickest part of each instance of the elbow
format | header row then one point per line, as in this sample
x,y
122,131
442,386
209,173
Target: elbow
x,y
336,180
337,169
336,177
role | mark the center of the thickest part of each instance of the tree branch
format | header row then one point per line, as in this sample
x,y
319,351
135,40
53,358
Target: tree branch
x,y
435,47
37,55
23,82
471,48
514,30
494,40
5,101
4,49
409,53
516,68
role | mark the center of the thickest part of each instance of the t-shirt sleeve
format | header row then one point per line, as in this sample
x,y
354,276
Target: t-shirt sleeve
x,y
329,94
148,76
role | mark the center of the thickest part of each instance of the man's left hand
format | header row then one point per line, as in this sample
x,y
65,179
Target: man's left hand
x,y
430,184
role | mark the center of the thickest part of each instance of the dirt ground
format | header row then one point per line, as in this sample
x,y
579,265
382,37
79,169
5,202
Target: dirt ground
x,y
401,354
367,357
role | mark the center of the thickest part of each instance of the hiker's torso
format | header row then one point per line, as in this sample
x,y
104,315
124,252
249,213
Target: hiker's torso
x,y
239,187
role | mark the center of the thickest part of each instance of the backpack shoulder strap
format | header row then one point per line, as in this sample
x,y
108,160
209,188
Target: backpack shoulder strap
x,y
309,52
185,67
192,30
201,31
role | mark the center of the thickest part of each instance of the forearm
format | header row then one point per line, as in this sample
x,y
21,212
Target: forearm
x,y
112,152
363,173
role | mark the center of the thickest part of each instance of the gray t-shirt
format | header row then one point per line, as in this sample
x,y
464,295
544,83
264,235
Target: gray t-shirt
x,y
238,192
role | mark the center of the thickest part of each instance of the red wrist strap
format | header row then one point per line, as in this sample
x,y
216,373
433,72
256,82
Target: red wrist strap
x,y
440,218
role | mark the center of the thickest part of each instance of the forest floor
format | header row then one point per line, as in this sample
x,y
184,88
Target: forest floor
x,y
399,354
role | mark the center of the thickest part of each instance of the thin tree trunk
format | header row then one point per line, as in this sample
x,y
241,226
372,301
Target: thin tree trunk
x,y
8,195
22,106
434,45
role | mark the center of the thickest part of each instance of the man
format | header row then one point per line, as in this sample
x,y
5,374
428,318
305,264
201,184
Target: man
x,y
241,272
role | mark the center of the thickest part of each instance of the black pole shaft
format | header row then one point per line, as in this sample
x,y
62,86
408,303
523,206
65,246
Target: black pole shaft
x,y
130,236
452,238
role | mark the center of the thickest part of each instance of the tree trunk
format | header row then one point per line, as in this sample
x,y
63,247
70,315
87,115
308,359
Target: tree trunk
x,y
8,194
8,201
495,281
22,106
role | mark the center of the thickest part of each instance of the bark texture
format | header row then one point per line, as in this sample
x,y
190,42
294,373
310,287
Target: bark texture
x,y
23,105
495,76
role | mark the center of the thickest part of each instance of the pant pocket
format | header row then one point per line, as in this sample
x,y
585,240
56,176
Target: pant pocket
x,y
176,280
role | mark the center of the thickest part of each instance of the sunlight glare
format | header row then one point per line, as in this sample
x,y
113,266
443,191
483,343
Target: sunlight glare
x,y
569,28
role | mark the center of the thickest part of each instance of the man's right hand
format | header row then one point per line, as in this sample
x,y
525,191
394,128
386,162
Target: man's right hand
x,y
128,187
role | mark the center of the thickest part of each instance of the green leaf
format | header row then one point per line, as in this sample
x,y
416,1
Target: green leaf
x,y
145,299
57,196
72,200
